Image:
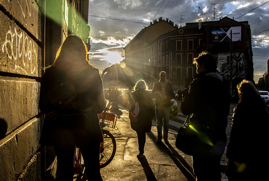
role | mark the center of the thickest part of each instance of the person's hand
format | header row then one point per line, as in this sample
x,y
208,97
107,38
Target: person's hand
x,y
184,93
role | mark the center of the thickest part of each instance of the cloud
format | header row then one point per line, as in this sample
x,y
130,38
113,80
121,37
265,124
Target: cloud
x,y
113,41
124,19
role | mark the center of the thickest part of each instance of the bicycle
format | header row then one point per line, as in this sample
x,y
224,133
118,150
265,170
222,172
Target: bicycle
x,y
107,149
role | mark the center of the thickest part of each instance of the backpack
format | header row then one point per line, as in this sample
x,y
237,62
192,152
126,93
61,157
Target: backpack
x,y
61,93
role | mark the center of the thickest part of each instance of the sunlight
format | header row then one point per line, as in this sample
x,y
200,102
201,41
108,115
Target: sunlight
x,y
113,57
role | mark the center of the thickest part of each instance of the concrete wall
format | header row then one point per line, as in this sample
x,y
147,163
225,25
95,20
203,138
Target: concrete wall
x,y
31,33
20,72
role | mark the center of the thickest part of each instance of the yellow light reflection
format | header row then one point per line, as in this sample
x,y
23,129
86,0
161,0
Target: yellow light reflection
x,y
203,137
240,167
122,65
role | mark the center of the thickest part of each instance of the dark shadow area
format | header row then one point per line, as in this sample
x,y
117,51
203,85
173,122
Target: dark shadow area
x,y
178,159
149,174
3,128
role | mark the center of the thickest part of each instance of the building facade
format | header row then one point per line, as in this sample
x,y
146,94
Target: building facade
x,y
263,83
174,51
139,51
31,33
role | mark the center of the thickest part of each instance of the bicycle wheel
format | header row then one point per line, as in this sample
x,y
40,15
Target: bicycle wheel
x,y
79,167
109,149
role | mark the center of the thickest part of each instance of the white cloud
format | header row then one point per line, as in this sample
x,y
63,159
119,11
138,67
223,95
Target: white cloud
x,y
205,9
146,20
101,33
111,41
240,4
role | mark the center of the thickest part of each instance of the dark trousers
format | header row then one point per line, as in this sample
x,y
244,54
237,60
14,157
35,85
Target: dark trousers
x,y
141,141
90,153
207,168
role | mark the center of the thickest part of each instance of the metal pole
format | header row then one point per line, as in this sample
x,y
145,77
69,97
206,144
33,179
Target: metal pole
x,y
231,64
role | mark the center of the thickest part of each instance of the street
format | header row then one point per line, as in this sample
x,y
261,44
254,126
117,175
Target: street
x,y
162,161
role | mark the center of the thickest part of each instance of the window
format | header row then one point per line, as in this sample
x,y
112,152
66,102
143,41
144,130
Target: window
x,y
167,60
190,58
190,44
167,46
179,45
200,42
179,59
189,72
178,73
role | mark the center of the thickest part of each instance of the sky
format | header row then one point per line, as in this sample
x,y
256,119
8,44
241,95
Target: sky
x,y
115,22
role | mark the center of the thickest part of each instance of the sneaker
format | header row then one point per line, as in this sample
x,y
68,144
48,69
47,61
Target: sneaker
x,y
159,140
140,156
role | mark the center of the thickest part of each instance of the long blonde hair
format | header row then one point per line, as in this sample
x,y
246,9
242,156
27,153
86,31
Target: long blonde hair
x,y
140,85
72,45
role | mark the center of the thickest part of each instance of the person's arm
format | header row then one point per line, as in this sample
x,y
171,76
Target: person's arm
x,y
133,100
154,89
233,149
190,101
151,106
100,102
44,102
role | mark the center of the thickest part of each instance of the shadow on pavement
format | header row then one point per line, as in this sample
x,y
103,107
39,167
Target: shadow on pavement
x,y
149,174
177,158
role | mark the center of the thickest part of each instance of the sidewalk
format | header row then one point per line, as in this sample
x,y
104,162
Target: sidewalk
x,y
161,162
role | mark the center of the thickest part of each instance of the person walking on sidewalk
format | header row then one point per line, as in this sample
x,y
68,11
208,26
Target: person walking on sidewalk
x,y
145,115
163,92
247,149
207,101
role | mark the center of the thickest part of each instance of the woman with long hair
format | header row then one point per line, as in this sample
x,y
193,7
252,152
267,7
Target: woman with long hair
x,y
247,149
145,115
71,96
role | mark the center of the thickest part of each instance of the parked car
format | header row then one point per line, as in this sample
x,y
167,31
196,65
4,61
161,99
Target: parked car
x,y
264,95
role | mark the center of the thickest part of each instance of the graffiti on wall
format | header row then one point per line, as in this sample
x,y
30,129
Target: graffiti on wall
x,y
238,65
22,50
28,8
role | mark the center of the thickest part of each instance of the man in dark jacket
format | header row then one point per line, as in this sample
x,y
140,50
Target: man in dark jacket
x,y
163,92
208,104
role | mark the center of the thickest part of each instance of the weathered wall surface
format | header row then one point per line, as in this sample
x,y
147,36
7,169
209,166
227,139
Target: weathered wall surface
x,y
20,72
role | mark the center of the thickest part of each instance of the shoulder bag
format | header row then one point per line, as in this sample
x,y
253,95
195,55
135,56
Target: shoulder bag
x,y
192,139
133,114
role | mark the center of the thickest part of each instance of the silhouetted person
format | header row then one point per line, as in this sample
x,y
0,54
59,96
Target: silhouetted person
x,y
71,96
208,103
146,113
163,92
3,128
247,150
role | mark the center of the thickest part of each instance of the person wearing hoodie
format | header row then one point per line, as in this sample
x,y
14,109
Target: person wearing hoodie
x,y
207,103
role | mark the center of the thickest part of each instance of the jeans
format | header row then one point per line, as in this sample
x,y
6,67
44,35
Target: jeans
x,y
90,153
141,141
207,168
162,116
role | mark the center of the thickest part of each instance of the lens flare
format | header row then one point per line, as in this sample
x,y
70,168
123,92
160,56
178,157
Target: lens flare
x,y
203,137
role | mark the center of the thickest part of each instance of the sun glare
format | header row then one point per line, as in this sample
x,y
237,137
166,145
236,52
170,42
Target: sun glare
x,y
113,57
